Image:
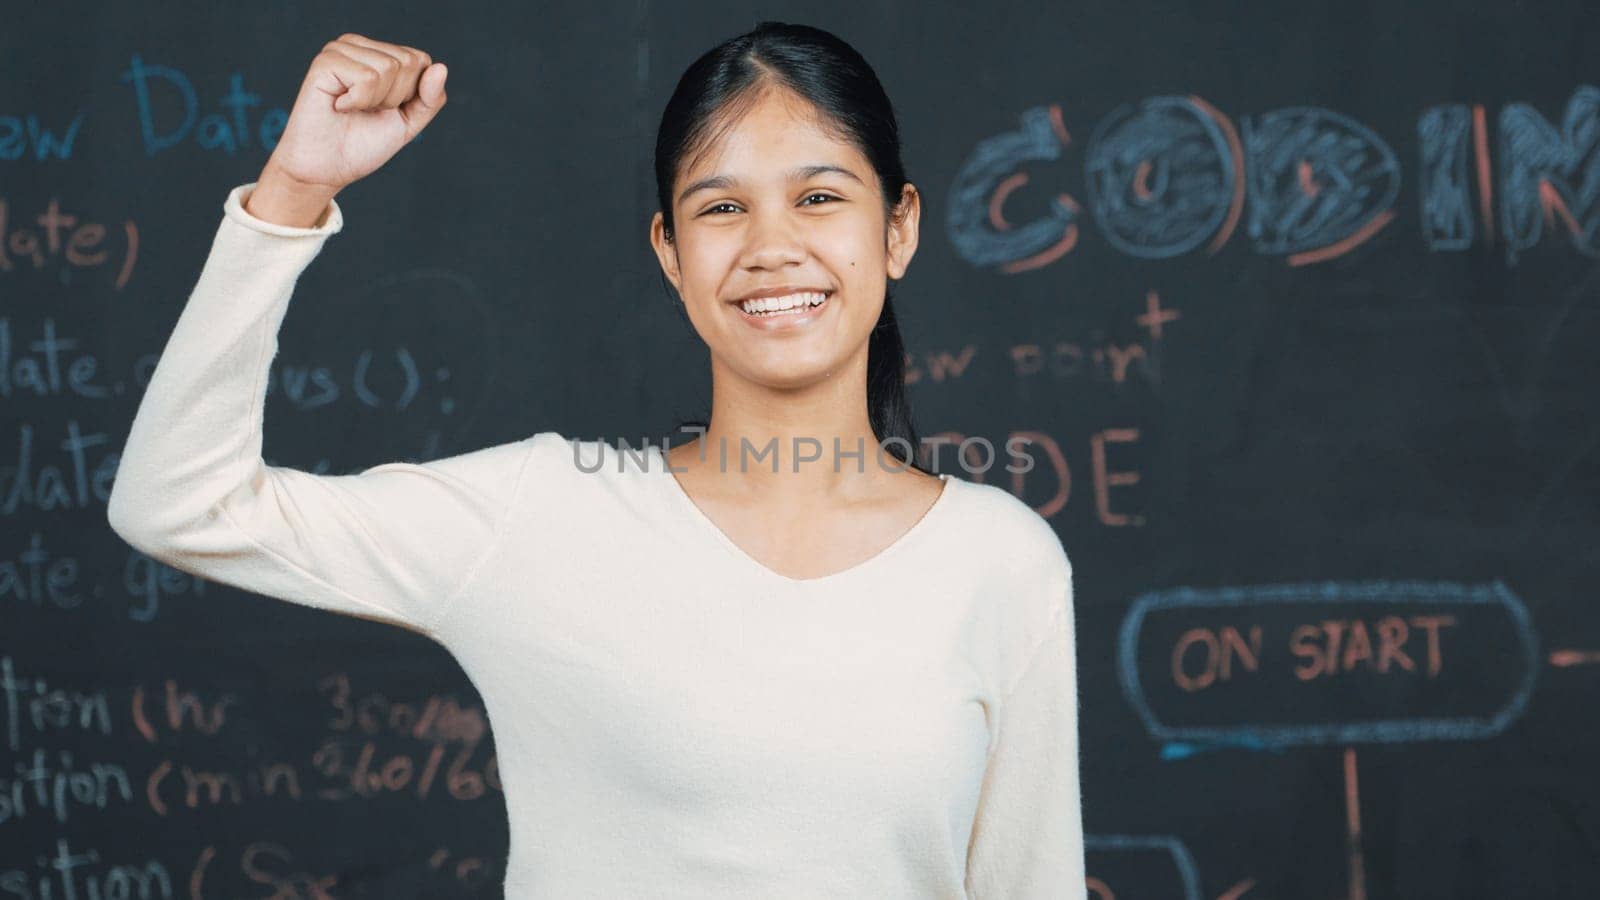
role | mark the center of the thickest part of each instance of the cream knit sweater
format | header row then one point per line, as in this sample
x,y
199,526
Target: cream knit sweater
x,y
672,718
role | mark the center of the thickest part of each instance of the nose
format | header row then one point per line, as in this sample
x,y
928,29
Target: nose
x,y
772,241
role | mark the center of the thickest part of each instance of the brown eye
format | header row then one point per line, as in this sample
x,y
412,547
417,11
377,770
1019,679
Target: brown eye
x,y
823,196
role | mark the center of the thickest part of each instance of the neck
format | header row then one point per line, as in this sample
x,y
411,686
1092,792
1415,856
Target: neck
x,y
807,441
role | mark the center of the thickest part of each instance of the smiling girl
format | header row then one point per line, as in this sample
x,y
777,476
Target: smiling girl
x,y
821,676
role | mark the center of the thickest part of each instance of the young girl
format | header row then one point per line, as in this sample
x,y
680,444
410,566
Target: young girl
x,y
827,674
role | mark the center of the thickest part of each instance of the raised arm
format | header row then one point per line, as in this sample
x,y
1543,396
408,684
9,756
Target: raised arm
x,y
1027,839
392,543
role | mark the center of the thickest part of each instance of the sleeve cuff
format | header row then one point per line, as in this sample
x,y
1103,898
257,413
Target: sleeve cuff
x,y
233,207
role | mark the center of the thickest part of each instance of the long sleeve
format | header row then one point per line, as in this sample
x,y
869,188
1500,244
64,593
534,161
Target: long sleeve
x,y
1028,834
393,543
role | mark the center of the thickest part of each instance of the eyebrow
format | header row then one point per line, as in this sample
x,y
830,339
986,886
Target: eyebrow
x,y
799,173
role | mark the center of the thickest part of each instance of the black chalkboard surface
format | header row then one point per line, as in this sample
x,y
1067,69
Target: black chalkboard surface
x,y
1298,302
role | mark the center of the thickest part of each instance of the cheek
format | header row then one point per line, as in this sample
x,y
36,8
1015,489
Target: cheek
x,y
702,267
862,249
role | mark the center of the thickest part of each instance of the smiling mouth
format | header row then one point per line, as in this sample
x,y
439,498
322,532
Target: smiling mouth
x,y
792,306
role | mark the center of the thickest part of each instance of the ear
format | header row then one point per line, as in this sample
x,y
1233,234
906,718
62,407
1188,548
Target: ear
x,y
904,220
666,251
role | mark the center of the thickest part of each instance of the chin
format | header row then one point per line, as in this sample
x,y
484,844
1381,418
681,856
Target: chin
x,y
791,377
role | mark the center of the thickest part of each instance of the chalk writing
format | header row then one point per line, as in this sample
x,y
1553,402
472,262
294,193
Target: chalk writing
x,y
35,709
26,137
68,874
164,126
55,787
48,365
1035,465
178,786
69,244
1121,865
81,479
1171,175
1267,664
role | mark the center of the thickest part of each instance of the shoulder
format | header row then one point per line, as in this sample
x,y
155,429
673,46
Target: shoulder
x,y
548,447
1025,570
553,449
1007,527
582,470
1026,580
489,465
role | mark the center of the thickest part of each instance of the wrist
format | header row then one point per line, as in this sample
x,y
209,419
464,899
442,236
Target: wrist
x,y
283,200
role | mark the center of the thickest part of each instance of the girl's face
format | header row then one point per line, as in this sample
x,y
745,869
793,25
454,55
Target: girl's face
x,y
777,204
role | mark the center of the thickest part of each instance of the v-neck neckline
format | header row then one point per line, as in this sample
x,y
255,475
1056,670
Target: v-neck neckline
x,y
704,523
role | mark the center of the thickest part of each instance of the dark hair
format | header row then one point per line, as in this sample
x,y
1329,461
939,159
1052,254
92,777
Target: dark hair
x,y
829,73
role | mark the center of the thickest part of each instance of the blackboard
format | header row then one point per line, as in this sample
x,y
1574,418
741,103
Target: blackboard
x,y
1299,302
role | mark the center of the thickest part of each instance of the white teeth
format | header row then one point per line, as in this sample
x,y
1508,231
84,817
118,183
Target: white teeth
x,y
778,304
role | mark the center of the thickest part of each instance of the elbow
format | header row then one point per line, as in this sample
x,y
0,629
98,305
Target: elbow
x,y
166,514
125,522
126,510
132,519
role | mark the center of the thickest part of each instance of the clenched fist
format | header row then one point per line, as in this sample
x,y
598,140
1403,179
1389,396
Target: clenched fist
x,y
361,101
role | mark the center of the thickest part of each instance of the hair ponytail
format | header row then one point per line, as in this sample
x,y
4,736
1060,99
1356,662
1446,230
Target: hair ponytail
x,y
887,405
